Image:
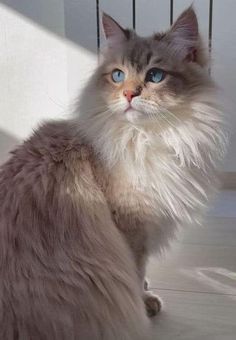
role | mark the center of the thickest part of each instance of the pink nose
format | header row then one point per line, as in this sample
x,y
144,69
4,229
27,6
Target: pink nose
x,y
129,94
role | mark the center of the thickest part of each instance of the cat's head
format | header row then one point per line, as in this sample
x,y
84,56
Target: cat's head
x,y
146,81
152,91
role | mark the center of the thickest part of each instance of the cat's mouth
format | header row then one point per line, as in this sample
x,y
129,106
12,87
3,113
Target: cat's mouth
x,y
130,109
132,114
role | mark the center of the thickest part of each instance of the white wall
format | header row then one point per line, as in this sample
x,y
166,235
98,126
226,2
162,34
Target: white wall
x,y
33,78
41,69
48,50
224,63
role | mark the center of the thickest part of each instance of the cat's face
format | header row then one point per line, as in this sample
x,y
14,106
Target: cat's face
x,y
149,79
137,82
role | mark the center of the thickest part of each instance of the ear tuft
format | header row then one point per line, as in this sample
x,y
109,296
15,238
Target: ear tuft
x,y
114,33
184,36
186,26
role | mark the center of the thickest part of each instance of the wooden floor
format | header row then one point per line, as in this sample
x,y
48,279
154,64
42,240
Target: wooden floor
x,y
197,279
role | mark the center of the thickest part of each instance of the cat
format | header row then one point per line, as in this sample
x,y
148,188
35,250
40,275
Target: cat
x,y
85,201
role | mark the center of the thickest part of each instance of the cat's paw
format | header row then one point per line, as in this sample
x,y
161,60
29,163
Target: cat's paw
x,y
153,304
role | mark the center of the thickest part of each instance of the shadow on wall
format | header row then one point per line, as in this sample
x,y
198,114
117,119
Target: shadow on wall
x,y
7,143
75,20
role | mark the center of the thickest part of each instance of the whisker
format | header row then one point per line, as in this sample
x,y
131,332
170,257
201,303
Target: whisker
x,y
154,118
166,119
93,109
172,114
158,108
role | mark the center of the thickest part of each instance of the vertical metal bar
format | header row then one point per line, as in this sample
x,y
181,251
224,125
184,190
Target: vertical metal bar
x,y
134,14
98,25
210,32
171,11
210,25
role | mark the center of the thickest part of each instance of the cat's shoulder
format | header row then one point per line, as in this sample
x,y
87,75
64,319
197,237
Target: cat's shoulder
x,y
54,141
52,153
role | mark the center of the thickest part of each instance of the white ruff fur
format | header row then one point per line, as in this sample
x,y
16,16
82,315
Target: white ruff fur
x,y
175,167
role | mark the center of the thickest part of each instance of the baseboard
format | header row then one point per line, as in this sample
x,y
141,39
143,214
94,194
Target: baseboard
x,y
228,180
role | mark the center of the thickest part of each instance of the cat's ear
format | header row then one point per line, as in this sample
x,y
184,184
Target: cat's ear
x,y
114,33
184,35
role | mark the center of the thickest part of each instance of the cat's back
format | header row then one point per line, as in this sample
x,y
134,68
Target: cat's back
x,y
37,177
53,141
52,146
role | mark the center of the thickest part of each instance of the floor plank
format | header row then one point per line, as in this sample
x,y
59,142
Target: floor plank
x,y
194,316
197,279
195,268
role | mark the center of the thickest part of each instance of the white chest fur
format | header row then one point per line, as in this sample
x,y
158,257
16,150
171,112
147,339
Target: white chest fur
x,y
172,175
171,172
164,192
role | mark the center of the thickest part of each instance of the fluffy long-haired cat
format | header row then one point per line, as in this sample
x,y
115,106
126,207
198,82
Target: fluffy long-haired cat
x,y
83,202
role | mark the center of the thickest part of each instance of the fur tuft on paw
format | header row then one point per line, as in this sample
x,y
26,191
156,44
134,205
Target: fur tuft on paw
x,y
153,304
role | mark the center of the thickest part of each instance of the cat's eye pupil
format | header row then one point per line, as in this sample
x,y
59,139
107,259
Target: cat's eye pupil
x,y
155,75
118,76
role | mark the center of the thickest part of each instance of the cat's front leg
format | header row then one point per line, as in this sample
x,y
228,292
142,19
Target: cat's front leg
x,y
152,302
137,240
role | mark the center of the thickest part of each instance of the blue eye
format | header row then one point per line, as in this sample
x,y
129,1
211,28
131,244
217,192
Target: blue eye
x,y
155,75
118,76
